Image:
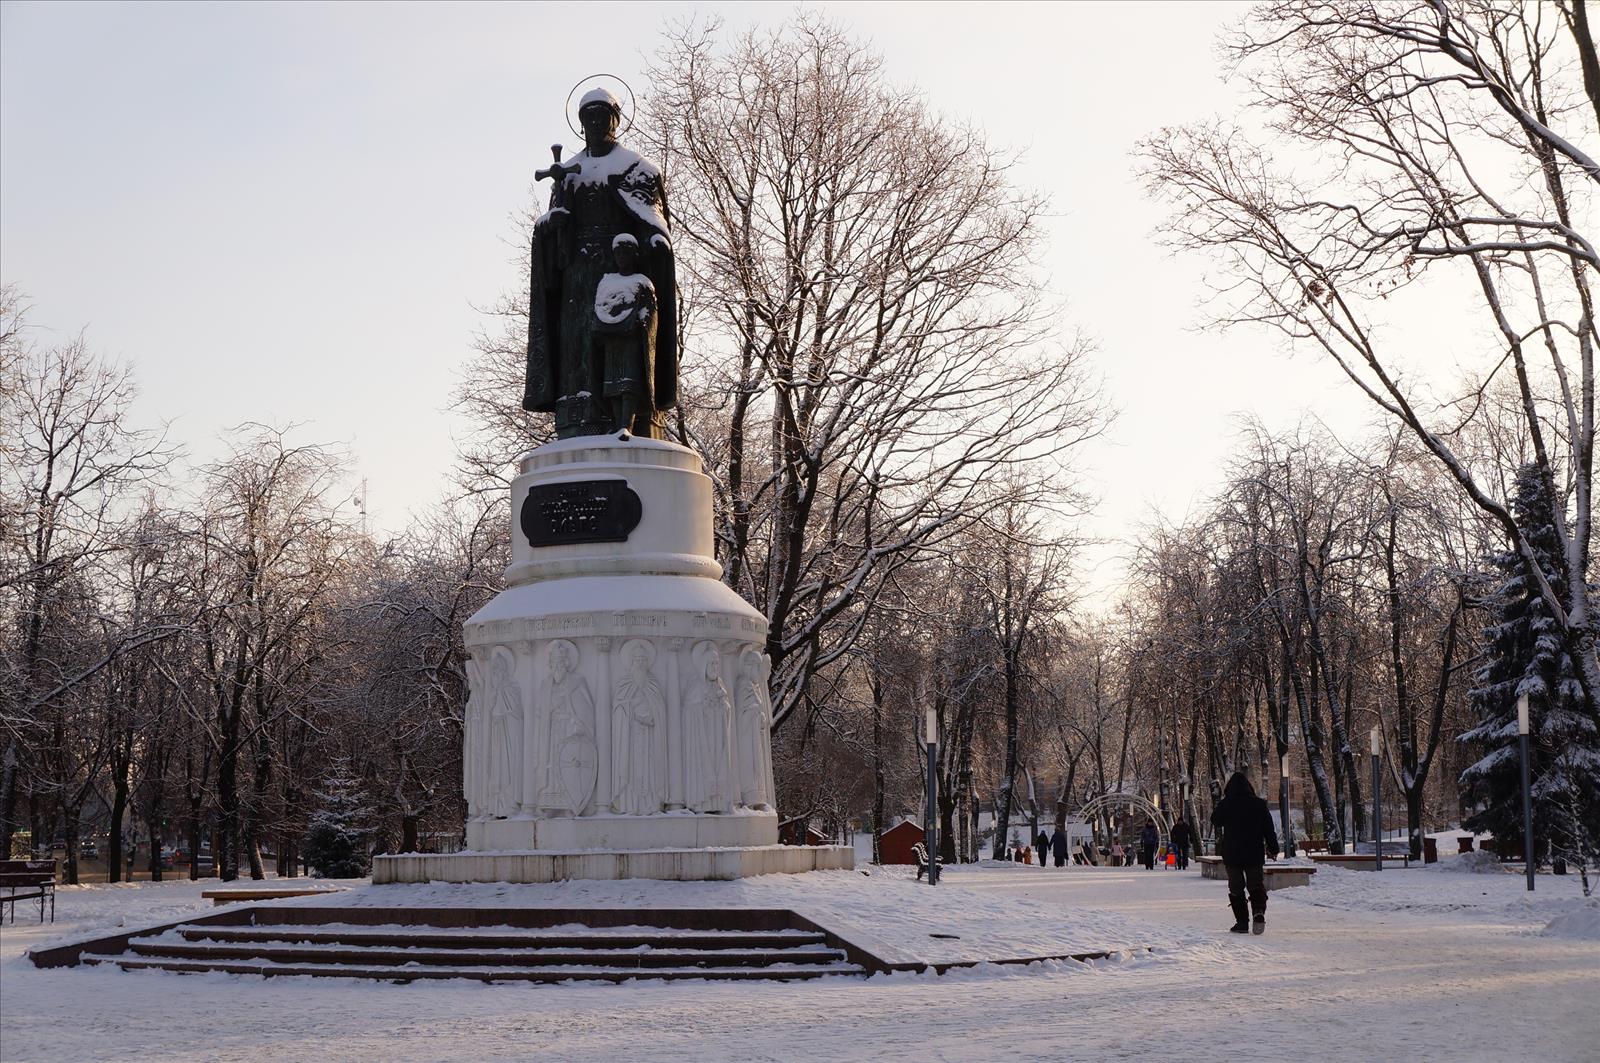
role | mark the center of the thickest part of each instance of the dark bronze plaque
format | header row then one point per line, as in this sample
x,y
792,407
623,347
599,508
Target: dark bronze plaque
x,y
581,511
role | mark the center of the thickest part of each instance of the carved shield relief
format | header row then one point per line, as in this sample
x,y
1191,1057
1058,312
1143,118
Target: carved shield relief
x,y
579,768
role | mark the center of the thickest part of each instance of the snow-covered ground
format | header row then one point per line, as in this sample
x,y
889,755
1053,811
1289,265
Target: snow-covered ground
x,y
1407,964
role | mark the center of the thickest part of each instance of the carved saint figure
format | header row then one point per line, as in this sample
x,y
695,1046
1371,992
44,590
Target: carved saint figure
x,y
602,192
753,703
638,718
571,756
473,768
505,738
706,717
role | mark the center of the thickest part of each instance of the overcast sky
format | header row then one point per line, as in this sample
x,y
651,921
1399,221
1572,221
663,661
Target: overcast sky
x,y
287,212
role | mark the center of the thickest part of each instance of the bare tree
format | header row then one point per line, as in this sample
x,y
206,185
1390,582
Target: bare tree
x,y
862,322
71,458
1447,142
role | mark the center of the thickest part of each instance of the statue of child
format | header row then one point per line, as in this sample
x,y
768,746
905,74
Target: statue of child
x,y
625,333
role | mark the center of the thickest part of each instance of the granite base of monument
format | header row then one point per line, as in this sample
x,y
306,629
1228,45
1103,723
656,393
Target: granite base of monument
x,y
681,865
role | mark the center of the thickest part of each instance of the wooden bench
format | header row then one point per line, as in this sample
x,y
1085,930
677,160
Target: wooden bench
x,y
34,879
1361,861
1276,876
265,893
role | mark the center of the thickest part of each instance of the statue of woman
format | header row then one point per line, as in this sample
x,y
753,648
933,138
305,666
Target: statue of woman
x,y
706,716
505,741
638,716
754,705
603,192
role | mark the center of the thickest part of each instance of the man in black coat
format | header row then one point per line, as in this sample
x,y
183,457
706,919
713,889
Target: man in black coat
x,y
1247,836
1058,846
1041,846
1182,838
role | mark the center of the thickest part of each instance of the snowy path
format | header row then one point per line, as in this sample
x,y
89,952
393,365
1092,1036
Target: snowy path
x,y
1350,969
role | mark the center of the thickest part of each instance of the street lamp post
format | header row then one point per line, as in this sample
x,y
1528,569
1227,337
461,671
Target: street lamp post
x,y
1283,805
1527,794
1377,801
930,832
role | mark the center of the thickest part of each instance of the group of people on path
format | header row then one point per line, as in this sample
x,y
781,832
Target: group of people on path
x,y
1051,846
1246,836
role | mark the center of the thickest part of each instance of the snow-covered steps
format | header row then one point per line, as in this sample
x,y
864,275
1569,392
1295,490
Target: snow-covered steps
x,y
490,945
557,973
565,937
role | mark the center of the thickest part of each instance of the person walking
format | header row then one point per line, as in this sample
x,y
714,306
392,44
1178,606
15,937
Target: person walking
x,y
1148,838
1247,837
1182,838
1058,846
1041,845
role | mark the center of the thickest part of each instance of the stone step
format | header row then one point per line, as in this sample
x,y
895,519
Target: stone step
x,y
574,973
374,956
582,938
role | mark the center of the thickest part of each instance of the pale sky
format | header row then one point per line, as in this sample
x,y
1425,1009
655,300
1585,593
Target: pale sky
x,y
287,212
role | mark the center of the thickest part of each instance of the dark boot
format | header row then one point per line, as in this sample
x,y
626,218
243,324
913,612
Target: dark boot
x,y
1241,915
1258,905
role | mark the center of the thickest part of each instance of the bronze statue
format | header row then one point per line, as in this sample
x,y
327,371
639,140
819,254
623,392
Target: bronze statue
x,y
603,338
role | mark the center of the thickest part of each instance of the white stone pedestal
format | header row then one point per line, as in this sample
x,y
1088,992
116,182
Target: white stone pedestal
x,y
618,689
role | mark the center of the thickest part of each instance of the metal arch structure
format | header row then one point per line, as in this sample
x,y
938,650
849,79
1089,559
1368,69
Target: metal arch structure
x,y
1095,806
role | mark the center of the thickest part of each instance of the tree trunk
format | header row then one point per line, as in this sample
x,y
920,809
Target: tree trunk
x,y
70,871
408,833
1002,812
878,799
119,804
194,850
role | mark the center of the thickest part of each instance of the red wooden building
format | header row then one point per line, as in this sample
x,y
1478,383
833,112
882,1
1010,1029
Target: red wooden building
x,y
789,834
895,845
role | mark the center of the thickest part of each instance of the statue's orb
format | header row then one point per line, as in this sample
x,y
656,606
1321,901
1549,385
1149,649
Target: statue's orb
x,y
612,84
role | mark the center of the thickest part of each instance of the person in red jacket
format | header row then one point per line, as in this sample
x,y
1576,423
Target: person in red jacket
x,y
1247,836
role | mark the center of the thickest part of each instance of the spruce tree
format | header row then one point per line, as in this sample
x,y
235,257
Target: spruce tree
x,y
1525,654
337,839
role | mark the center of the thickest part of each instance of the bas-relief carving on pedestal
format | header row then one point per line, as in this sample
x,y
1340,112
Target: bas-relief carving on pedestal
x,y
663,703
472,742
638,720
571,755
753,705
505,731
707,712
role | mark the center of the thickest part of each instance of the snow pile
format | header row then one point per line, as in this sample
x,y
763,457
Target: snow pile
x,y
1438,890
1582,923
1478,862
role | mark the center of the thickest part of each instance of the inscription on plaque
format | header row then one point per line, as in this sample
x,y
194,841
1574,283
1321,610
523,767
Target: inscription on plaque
x,y
582,511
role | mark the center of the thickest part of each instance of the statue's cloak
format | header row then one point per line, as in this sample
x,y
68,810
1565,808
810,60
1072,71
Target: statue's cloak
x,y
639,190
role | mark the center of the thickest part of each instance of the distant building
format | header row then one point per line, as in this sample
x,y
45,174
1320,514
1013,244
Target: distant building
x,y
789,834
895,845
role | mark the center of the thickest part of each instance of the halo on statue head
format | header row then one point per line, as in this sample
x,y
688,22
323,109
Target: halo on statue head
x,y
633,646
607,82
702,652
565,650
